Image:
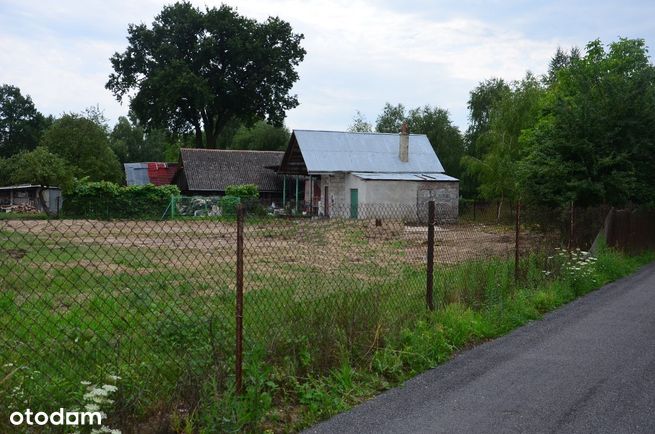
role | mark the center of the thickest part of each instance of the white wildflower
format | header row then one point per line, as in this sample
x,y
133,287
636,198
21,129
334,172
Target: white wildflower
x,y
110,388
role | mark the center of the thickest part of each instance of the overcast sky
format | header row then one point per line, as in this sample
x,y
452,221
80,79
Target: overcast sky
x,y
360,54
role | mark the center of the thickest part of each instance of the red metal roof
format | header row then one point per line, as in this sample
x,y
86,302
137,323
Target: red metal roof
x,y
161,173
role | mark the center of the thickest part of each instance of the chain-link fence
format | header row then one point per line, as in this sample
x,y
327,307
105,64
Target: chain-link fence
x,y
157,303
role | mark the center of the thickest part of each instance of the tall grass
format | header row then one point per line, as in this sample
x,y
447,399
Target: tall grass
x,y
314,346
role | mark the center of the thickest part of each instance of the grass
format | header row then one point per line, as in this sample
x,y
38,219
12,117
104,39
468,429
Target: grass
x,y
319,337
23,216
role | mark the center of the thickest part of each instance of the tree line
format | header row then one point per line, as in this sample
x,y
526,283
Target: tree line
x,y
582,134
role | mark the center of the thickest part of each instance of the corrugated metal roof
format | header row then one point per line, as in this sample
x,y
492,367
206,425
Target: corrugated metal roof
x,y
440,177
136,173
24,186
335,151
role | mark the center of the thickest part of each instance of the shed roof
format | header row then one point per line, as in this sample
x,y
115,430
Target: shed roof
x,y
215,169
136,173
26,186
437,177
336,151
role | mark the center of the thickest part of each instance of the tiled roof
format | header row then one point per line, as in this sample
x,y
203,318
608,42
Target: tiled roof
x,y
215,169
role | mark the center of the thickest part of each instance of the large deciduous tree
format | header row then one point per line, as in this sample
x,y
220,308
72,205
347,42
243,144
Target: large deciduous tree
x,y
495,171
21,124
84,144
132,144
435,123
197,71
595,140
43,168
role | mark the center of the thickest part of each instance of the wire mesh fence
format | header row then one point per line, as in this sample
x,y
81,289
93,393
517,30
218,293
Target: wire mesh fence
x,y
154,302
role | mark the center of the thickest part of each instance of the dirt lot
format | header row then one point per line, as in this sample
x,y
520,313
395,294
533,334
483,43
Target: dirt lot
x,y
324,244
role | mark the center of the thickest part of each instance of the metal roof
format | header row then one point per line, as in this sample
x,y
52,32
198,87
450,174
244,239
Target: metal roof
x,y
23,186
335,151
136,173
439,177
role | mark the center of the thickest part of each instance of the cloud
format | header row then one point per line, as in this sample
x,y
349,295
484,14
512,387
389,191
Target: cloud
x,y
360,54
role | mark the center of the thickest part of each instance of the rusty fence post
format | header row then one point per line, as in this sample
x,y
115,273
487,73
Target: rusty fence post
x,y
430,258
517,246
239,306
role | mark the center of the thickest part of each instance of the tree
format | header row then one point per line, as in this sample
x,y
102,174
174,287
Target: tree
x,y
261,137
360,124
445,138
131,143
85,146
595,142
561,60
40,167
496,170
196,71
435,123
481,101
21,125
391,119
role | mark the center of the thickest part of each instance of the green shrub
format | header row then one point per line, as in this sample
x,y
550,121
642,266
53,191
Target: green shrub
x,y
242,191
108,200
229,204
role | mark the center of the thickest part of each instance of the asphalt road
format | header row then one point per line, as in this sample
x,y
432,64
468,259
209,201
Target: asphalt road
x,y
588,367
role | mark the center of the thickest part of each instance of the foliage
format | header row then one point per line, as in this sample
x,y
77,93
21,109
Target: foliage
x,y
515,110
445,137
594,142
229,204
260,137
108,200
481,102
40,167
131,143
242,191
391,119
196,70
561,60
21,124
84,144
360,124
432,121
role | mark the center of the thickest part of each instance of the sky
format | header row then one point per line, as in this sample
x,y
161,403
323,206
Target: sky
x,y
360,53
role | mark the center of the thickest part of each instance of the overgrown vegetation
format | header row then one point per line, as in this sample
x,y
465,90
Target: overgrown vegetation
x,y
315,345
108,200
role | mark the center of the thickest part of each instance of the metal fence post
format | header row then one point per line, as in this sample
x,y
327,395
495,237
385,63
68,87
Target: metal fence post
x,y
430,258
239,306
517,247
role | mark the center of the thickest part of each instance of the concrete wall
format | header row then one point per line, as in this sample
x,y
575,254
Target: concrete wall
x,y
391,199
446,197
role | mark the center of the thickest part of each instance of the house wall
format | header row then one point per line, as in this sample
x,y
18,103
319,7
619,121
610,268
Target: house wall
x,y
446,197
391,199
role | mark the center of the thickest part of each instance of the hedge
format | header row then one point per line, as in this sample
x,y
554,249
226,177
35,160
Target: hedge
x,y
108,200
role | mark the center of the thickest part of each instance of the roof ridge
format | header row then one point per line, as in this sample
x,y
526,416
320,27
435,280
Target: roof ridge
x,y
231,150
358,132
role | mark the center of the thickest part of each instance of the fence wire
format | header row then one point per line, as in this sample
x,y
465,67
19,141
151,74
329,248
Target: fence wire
x,y
153,302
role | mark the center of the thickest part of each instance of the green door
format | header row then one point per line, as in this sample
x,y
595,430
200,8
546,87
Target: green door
x,y
354,202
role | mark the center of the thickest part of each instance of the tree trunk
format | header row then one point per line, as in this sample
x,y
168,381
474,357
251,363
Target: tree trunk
x,y
500,206
44,206
198,136
211,138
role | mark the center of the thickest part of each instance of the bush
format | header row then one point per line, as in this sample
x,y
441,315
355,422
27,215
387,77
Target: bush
x,y
108,200
243,191
229,205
